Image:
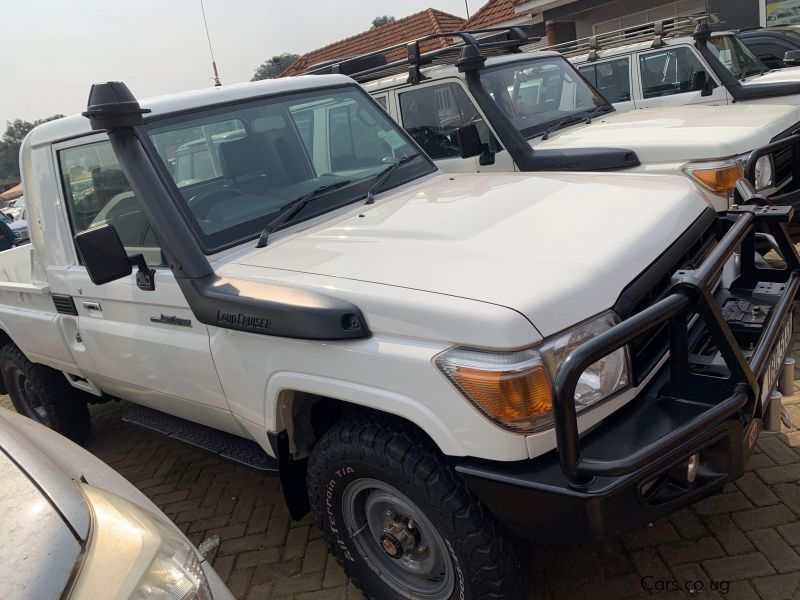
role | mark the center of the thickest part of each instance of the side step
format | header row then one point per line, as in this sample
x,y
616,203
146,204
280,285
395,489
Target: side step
x,y
225,445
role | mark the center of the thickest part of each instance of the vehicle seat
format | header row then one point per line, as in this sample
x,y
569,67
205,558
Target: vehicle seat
x,y
242,162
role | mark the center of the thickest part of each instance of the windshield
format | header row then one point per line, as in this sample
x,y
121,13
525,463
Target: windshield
x,y
735,56
539,93
235,168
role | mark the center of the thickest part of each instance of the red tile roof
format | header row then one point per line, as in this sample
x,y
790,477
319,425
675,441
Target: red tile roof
x,y
492,13
403,30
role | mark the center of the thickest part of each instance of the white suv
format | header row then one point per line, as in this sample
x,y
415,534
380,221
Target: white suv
x,y
678,62
485,106
420,356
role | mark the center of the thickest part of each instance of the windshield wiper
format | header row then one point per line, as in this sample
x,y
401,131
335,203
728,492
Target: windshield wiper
x,y
384,176
289,212
587,117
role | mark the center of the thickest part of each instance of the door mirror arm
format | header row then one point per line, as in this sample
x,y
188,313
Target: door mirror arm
x,y
145,276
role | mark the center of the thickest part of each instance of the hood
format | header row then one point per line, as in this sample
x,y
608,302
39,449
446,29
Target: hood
x,y
557,248
787,75
682,133
42,550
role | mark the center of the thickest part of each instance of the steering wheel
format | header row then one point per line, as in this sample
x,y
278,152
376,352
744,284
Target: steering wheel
x,y
202,202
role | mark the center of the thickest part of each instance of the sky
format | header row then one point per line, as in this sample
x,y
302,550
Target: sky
x,y
51,51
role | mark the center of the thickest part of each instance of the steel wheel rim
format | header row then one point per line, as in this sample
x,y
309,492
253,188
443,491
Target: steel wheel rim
x,y
424,572
34,408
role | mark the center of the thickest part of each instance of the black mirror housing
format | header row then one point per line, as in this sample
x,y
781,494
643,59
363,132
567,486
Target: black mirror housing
x,y
792,58
469,141
106,260
103,254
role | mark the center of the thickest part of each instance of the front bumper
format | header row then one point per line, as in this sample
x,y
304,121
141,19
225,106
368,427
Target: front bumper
x,y
633,467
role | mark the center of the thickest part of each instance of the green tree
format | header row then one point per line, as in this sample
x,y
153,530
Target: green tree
x,y
276,65
11,141
381,21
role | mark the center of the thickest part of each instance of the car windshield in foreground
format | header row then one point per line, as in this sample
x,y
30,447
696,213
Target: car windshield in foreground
x,y
735,56
540,93
236,168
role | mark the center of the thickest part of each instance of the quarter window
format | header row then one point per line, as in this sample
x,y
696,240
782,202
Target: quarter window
x,y
673,71
611,78
97,193
432,115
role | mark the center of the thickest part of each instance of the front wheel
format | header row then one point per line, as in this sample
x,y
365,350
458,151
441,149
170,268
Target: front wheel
x,y
400,522
44,395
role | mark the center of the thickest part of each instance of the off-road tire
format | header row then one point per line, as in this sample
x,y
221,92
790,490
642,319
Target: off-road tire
x,y
60,406
488,559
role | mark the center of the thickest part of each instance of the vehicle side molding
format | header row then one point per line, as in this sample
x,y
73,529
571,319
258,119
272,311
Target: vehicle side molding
x,y
241,305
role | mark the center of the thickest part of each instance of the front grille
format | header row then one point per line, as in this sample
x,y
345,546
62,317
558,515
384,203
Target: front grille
x,y
783,161
654,284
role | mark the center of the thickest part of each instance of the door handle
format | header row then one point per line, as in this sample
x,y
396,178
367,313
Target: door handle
x,y
92,306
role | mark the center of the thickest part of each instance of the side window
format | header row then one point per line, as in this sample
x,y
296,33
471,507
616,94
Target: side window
x,y
433,113
611,78
589,72
382,100
97,193
669,72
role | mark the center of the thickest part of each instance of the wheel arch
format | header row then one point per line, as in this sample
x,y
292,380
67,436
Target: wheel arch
x,y
302,418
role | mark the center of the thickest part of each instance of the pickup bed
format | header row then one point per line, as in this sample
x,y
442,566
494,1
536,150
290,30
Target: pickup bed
x,y
428,361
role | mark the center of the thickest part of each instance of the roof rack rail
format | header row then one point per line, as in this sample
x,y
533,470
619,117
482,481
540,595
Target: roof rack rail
x,y
376,65
658,31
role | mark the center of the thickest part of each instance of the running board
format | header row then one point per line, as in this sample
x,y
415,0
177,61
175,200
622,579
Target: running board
x,y
225,445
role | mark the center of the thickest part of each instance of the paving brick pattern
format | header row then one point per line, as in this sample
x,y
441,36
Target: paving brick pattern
x,y
741,544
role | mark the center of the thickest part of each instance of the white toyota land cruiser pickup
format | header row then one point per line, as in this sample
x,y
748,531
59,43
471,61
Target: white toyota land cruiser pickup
x,y
483,105
404,347
678,62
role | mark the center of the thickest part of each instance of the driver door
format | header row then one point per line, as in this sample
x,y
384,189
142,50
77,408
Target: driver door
x,y
142,346
675,76
432,113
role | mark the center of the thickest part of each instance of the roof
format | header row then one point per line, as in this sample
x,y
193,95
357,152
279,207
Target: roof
x,y
493,13
410,28
78,125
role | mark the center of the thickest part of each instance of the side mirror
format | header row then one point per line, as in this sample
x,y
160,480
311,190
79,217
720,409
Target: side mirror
x,y
703,83
469,141
792,58
106,260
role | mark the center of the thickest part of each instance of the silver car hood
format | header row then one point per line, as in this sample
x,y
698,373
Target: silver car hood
x,y
42,550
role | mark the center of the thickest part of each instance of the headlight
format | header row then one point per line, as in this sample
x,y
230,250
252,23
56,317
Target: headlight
x,y
764,173
133,554
719,177
514,389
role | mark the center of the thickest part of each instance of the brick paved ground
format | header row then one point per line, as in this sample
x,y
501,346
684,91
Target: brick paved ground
x,y
747,538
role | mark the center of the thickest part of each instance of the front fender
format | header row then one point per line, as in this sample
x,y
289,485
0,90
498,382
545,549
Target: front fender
x,y
358,395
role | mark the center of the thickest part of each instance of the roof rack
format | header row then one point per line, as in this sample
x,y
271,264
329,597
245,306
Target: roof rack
x,y
376,65
657,31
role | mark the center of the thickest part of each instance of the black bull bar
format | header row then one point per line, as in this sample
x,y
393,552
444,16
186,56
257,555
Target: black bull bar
x,y
691,293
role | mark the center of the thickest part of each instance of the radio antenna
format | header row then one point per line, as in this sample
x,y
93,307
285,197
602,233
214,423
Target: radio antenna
x,y
217,82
